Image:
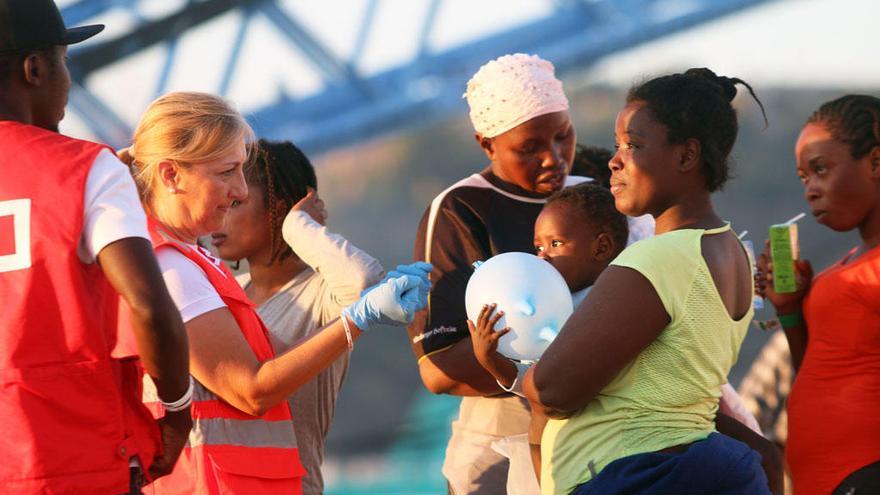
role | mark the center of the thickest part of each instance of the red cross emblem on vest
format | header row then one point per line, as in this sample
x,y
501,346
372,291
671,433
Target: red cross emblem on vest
x,y
15,234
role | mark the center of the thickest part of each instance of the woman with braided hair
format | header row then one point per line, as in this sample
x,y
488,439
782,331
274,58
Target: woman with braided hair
x,y
832,321
300,276
634,378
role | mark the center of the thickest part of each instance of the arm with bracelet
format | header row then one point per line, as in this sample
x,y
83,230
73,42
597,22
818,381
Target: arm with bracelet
x,y
115,236
223,362
161,340
439,335
508,373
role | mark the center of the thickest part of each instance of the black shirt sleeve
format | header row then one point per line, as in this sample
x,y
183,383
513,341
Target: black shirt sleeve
x,y
458,238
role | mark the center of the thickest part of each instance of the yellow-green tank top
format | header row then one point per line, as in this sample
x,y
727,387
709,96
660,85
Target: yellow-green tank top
x,y
668,395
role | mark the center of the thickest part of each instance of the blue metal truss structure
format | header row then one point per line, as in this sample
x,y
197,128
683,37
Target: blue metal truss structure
x,y
351,106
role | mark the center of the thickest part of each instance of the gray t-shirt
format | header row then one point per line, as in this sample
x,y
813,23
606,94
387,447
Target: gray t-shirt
x,y
312,299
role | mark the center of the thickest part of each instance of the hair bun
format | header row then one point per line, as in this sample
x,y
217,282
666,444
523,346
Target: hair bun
x,y
726,85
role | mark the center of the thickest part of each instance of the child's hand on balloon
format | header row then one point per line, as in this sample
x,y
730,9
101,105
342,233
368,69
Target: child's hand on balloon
x,y
484,338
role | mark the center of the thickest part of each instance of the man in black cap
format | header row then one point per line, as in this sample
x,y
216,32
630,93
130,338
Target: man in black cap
x,y
73,238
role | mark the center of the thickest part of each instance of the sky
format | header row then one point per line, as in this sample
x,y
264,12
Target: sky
x,y
793,43
784,43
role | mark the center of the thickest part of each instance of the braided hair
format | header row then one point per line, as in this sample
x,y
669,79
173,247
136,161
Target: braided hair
x,y
697,104
851,119
283,173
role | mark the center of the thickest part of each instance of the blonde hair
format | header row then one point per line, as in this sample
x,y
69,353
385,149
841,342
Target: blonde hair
x,y
185,128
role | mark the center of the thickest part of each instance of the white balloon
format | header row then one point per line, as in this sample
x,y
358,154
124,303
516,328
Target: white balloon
x,y
533,295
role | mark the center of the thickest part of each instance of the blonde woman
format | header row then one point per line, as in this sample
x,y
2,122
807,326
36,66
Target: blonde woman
x,y
187,156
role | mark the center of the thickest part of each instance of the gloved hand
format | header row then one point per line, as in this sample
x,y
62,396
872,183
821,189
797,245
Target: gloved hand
x,y
391,302
418,269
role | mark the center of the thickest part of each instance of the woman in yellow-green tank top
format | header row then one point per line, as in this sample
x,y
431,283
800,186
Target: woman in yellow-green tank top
x,y
634,377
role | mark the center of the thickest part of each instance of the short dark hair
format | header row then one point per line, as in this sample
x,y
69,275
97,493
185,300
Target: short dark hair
x,y
283,172
592,162
596,205
697,104
851,119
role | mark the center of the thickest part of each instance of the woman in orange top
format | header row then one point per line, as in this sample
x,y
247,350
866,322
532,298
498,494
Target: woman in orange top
x,y
833,321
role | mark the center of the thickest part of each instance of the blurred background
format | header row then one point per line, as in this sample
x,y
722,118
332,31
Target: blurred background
x,y
371,90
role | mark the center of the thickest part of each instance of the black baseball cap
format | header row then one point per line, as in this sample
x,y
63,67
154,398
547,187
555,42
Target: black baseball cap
x,y
36,24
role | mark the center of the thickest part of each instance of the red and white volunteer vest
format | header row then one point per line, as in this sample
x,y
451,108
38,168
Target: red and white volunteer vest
x,y
229,451
72,417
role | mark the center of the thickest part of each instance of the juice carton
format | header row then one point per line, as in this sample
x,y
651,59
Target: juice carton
x,y
783,253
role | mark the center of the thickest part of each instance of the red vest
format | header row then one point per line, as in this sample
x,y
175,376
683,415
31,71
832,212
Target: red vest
x,y
228,450
71,414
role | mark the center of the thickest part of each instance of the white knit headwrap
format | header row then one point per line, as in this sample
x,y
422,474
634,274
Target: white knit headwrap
x,y
511,90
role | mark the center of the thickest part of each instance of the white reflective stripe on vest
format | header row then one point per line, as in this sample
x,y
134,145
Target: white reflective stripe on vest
x,y
242,432
201,393
225,431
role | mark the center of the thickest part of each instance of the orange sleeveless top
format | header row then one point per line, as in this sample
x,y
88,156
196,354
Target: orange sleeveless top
x,y
834,406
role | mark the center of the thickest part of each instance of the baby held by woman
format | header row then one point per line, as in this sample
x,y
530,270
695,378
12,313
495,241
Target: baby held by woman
x,y
579,232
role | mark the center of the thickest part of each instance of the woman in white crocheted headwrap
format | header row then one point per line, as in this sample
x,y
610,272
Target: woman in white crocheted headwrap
x,y
520,115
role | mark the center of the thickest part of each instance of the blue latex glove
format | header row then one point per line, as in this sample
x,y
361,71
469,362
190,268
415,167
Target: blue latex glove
x,y
391,302
418,269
